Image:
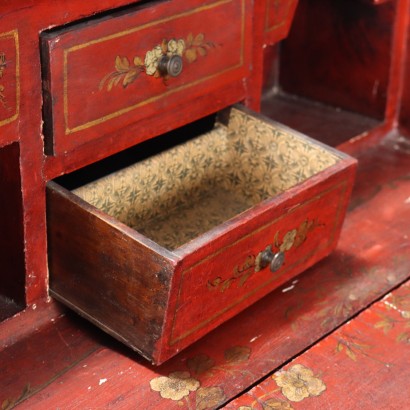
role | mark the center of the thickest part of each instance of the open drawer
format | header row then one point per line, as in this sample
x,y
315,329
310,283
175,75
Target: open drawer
x,y
165,250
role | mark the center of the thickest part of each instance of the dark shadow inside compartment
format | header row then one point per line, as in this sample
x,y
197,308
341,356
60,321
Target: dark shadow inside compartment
x,y
176,195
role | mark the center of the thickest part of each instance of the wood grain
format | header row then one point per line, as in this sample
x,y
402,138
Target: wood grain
x,y
105,273
345,64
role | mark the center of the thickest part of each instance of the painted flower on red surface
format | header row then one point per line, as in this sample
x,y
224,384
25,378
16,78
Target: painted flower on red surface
x,y
298,383
176,386
151,60
176,47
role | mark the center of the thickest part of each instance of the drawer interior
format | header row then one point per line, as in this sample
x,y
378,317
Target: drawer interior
x,y
181,193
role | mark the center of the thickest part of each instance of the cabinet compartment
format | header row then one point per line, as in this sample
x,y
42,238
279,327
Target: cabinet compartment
x,y
163,251
12,269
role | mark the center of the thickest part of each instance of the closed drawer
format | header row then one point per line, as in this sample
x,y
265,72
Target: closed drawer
x,y
102,75
163,251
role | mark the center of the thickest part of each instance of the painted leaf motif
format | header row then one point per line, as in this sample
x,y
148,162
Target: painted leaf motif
x,y
350,354
138,62
200,364
403,337
361,345
226,285
122,64
244,278
209,397
7,404
129,77
191,55
190,39
385,325
276,404
199,39
202,51
237,354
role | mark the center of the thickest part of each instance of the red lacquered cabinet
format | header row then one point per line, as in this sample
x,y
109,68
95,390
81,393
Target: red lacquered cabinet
x,y
161,251
168,166
174,244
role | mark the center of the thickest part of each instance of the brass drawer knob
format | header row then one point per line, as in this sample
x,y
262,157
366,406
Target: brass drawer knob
x,y
170,65
274,260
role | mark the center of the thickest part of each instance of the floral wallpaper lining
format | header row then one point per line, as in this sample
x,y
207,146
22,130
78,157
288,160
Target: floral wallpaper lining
x,y
176,195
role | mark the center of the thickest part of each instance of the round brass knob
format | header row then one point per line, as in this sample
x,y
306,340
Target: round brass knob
x,y
170,65
274,260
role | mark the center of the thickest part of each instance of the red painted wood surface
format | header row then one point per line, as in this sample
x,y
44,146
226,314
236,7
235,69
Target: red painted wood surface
x,y
56,349
372,257
346,63
330,125
364,364
278,19
405,100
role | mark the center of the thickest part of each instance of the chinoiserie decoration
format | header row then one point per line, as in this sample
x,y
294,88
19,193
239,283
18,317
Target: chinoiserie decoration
x,y
164,60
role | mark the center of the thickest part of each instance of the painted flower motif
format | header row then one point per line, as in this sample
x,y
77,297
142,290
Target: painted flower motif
x,y
176,47
176,386
298,383
151,60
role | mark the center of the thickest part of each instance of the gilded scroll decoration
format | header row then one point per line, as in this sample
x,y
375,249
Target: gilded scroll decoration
x,y
241,273
127,71
2,87
9,77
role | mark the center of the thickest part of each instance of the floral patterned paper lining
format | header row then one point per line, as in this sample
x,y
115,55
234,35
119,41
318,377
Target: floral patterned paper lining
x,y
179,194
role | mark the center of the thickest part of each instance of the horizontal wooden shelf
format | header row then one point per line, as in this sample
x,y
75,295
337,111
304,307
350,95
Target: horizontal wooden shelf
x,y
330,125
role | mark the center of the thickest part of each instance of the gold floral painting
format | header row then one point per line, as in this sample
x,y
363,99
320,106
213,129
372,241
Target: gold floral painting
x,y
181,193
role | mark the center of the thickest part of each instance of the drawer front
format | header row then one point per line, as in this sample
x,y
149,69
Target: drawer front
x,y
9,80
232,278
278,19
103,75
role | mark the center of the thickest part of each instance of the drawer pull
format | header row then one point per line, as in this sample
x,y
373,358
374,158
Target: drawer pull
x,y
170,65
274,260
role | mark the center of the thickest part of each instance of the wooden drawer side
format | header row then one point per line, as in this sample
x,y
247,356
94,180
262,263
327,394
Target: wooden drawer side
x,y
106,275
